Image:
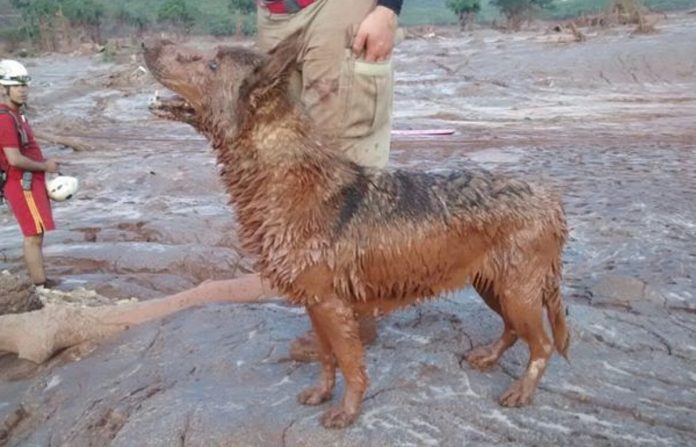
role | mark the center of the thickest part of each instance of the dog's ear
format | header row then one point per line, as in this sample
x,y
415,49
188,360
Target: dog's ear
x,y
276,68
283,57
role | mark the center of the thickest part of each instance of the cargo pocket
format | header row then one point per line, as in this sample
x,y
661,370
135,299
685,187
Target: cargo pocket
x,y
367,92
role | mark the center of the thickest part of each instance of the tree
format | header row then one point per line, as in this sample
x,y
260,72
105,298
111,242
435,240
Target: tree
x,y
466,11
85,13
35,14
177,13
48,21
517,11
241,8
135,16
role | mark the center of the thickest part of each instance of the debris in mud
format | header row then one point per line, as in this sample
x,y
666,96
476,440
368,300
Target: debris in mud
x,y
62,140
10,422
130,76
37,336
17,295
569,32
620,13
73,133
428,32
78,297
645,26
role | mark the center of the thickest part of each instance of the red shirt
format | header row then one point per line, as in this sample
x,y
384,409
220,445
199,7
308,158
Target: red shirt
x,y
9,138
32,208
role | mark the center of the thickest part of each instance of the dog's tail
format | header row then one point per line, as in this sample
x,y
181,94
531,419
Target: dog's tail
x,y
556,311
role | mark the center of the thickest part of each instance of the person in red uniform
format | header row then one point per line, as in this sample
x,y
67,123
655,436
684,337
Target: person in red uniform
x,y
24,167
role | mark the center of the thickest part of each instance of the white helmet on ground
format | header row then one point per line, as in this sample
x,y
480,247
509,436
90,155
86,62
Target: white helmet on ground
x,y
62,188
13,73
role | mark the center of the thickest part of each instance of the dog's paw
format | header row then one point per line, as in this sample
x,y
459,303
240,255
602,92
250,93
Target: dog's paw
x,y
481,358
519,394
337,417
313,396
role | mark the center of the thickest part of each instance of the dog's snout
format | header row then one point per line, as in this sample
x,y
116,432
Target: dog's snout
x,y
153,47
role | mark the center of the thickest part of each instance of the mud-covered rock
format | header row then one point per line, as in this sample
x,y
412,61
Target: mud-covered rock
x,y
17,295
220,375
633,293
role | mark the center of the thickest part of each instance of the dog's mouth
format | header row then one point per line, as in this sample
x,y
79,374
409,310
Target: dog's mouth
x,y
174,108
160,57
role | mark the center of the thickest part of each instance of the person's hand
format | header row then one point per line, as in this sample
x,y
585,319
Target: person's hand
x,y
51,165
375,37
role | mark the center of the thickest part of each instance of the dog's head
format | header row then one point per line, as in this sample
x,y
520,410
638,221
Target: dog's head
x,y
218,87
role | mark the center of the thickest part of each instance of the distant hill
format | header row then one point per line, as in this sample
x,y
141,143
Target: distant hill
x,y
418,12
435,11
214,17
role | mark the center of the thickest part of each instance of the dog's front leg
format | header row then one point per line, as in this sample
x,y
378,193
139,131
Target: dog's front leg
x,y
322,392
334,322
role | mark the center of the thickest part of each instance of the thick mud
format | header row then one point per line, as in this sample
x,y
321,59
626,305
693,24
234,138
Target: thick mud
x,y
609,121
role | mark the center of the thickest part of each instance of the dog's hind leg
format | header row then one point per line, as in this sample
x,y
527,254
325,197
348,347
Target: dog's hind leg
x,y
337,328
524,313
484,357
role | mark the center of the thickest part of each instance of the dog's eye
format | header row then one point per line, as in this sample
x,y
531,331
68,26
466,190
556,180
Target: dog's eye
x,y
186,58
213,65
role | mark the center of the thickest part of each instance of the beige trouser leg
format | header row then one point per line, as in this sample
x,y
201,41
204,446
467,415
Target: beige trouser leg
x,y
350,100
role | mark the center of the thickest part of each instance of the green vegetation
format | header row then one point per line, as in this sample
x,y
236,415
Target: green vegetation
x,y
178,14
465,10
517,11
574,8
38,20
243,11
437,12
136,16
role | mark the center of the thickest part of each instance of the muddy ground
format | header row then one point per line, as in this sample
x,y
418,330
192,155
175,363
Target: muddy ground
x,y
610,121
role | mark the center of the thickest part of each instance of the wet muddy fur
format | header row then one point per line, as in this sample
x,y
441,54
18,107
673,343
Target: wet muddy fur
x,y
344,240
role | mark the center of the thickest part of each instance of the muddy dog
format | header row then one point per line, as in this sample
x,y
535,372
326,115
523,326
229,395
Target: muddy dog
x,y
343,240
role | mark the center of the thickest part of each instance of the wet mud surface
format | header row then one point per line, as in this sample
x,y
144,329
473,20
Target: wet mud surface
x,y
609,121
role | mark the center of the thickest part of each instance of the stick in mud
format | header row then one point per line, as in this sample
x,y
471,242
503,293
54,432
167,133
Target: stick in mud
x,y
37,335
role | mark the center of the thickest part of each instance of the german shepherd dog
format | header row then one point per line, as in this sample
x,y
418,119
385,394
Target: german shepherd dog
x,y
344,240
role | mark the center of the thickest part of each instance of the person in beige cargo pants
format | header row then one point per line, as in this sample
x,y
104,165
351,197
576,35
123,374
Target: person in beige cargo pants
x,y
344,75
345,80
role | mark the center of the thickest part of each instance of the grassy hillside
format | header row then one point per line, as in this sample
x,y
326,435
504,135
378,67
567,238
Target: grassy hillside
x,y
435,12
573,8
213,16
419,12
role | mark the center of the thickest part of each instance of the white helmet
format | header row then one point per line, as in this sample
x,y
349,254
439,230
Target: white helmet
x,y
62,188
13,73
